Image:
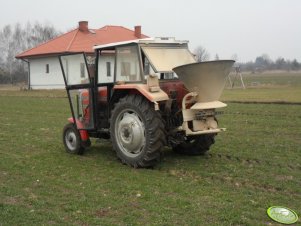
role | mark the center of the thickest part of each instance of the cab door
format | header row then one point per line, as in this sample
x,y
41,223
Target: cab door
x,y
79,86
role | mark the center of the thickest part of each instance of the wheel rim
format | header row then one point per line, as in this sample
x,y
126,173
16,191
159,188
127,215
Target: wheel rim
x,y
70,139
130,133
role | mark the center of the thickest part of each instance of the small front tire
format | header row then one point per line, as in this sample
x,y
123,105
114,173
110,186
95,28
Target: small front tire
x,y
72,140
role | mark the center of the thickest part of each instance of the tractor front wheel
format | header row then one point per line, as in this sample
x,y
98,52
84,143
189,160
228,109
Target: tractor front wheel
x,y
72,140
195,145
137,131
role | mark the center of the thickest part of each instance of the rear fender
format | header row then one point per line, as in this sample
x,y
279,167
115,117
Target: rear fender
x,y
83,133
143,90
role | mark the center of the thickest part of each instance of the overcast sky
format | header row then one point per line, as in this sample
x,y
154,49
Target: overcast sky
x,y
248,28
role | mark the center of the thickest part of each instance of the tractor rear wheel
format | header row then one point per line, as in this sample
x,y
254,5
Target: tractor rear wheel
x,y
195,145
72,140
137,131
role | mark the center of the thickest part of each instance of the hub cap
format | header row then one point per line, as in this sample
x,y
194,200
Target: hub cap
x,y
70,139
130,132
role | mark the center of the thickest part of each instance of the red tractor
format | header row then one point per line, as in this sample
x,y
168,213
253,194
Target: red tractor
x,y
157,95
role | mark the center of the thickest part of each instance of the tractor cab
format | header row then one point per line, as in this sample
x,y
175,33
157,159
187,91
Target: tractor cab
x,y
139,58
143,94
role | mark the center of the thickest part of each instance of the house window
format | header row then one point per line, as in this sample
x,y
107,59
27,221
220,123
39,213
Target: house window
x,y
47,68
82,70
108,69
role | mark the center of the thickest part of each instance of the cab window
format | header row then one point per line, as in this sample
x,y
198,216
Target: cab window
x,y
127,64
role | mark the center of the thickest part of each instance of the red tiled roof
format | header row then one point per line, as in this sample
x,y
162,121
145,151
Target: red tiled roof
x,y
79,41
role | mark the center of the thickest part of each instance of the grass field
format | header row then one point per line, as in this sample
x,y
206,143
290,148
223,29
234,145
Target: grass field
x,y
268,87
254,165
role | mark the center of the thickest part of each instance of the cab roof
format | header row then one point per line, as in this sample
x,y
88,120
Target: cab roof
x,y
157,40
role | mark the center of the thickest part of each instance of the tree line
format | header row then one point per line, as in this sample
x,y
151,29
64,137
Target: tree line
x,y
264,63
14,39
261,63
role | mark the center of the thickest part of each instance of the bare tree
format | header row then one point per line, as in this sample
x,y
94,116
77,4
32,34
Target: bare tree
x,y
39,33
5,37
234,57
14,40
201,54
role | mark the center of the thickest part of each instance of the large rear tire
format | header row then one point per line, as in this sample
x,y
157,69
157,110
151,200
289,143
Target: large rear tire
x,y
137,131
72,140
195,145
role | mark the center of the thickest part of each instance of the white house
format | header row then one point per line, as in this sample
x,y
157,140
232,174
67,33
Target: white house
x,y
44,67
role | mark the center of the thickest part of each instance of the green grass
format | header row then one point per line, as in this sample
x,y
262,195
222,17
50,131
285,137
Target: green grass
x,y
271,79
284,94
254,165
269,87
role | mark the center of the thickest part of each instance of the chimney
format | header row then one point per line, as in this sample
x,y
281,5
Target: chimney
x,y
83,26
138,31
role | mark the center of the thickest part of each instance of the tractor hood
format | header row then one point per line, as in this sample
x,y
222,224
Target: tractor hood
x,y
206,78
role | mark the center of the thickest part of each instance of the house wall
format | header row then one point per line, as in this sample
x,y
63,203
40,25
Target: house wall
x,y
102,68
75,69
39,79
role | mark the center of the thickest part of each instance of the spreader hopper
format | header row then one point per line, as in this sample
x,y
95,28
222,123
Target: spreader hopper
x,y
206,79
